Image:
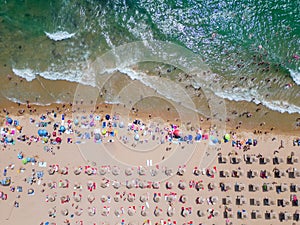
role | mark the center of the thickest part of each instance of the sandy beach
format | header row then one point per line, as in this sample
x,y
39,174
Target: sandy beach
x,y
97,168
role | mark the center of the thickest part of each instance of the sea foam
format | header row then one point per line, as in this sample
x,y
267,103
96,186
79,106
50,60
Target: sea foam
x,y
295,76
59,35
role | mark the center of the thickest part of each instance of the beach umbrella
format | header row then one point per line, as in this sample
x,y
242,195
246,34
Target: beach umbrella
x,y
51,198
181,171
76,122
103,131
136,137
157,211
153,172
24,161
143,212
91,211
184,212
117,198
177,133
183,198
198,137
199,186
64,171
9,120
91,198
131,211
77,170
97,137
58,139
196,172
169,172
19,128
156,198
169,184
121,124
89,171
77,197
128,171
62,129
200,213
142,184
182,185
155,185
51,170
143,198
103,170
78,212
227,137
170,198
130,197
116,184
107,117
115,170
103,198
64,212
211,186
97,118
200,200
141,171
170,212
129,184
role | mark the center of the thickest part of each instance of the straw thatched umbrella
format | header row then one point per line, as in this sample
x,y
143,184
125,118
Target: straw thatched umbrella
x,y
183,198
156,198
77,197
117,198
116,184
157,211
103,170
103,198
64,212
131,211
200,213
115,170
155,185
91,211
78,212
128,171
170,211
182,185
181,171
130,197
51,171
141,171
169,172
91,198
77,170
143,198
169,185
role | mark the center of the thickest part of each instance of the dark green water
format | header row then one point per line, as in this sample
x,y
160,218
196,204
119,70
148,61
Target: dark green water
x,y
252,45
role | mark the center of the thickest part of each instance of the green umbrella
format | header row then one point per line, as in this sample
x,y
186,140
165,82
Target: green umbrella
x,y
24,161
227,137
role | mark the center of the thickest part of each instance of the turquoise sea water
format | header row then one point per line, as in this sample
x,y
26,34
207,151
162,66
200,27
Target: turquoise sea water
x,y
253,45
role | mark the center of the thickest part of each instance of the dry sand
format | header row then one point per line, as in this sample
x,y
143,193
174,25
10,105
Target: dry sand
x,y
34,209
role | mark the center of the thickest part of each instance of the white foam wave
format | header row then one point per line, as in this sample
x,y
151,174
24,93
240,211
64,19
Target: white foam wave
x,y
295,76
59,35
72,75
15,100
240,94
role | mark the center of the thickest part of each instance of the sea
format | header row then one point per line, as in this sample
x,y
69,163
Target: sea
x,y
251,46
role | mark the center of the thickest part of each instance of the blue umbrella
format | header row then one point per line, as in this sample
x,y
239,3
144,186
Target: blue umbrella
x,y
9,120
198,137
107,117
62,128
40,132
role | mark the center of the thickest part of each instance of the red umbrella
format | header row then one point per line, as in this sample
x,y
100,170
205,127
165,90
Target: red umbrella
x,y
176,133
58,139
